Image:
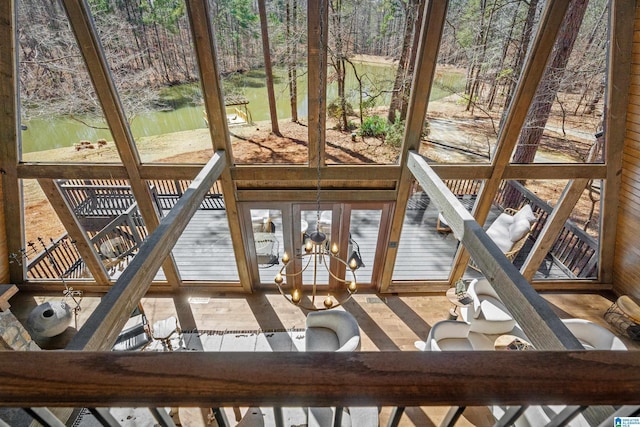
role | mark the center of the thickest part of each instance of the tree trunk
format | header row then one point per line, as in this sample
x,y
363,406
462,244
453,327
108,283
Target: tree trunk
x,y
398,92
541,108
525,40
267,68
291,16
417,28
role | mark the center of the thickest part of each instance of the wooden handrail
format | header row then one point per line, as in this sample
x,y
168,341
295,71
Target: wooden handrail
x,y
211,379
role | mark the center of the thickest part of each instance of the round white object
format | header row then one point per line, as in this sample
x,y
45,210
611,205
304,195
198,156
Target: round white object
x,y
49,319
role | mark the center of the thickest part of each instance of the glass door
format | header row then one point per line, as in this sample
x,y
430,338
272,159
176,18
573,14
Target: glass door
x,y
356,231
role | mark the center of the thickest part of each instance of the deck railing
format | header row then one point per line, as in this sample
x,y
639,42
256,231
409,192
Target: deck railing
x,y
169,191
574,251
55,259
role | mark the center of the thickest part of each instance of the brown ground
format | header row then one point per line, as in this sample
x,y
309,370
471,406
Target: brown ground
x,y
258,145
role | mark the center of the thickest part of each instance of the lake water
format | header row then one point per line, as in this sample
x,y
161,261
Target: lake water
x,y
58,132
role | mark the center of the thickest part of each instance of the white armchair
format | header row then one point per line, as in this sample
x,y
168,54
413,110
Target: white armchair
x,y
453,335
332,330
486,314
593,336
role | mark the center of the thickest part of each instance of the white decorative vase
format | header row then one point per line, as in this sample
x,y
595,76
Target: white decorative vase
x,y
49,319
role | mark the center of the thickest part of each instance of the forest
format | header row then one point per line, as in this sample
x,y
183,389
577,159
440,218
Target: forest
x,y
148,47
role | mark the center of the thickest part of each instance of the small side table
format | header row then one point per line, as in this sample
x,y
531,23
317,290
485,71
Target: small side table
x,y
457,300
511,342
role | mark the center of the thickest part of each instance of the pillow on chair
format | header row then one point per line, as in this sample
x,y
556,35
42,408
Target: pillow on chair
x,y
499,232
525,212
519,229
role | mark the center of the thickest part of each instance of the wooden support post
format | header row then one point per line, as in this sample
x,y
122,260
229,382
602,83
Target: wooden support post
x,y
425,68
94,57
204,45
11,219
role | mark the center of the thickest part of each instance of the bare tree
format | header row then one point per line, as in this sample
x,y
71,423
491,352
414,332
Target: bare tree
x,y
540,109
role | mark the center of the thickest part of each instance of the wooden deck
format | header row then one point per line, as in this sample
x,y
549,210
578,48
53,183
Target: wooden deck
x,y
204,251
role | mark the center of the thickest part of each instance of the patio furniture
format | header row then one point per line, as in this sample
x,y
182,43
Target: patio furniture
x,y
624,315
136,334
593,336
267,248
457,299
452,335
163,331
332,330
510,231
487,313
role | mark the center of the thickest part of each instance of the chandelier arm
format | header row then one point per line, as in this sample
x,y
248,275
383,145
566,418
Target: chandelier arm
x,y
299,272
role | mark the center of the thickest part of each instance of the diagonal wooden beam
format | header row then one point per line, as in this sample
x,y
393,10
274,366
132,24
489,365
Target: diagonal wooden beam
x,y
89,43
538,321
204,44
553,226
107,320
532,72
435,13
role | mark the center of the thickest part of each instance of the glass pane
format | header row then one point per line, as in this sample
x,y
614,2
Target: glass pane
x,y
268,239
49,253
567,112
481,55
204,251
574,254
309,218
365,225
61,118
427,245
153,66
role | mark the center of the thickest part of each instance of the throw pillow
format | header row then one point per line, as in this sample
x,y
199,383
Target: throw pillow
x,y
519,229
499,232
525,212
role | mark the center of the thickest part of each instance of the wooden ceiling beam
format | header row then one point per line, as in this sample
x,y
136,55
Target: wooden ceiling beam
x,y
299,379
295,195
304,173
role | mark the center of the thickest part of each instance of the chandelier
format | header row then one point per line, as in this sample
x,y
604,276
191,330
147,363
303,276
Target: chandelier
x,y
316,253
